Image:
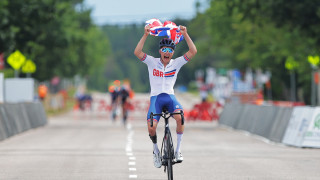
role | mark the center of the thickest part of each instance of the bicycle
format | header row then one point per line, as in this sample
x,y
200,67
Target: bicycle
x,y
167,148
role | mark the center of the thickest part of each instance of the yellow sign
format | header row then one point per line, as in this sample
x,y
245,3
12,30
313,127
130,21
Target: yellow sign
x,y
29,67
16,60
313,60
291,63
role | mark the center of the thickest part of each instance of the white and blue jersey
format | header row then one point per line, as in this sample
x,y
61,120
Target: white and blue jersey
x,y
162,80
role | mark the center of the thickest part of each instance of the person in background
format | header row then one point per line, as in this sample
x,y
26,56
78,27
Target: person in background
x,y
83,98
124,95
114,92
42,91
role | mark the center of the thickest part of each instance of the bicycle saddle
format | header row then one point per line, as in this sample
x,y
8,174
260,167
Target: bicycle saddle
x,y
165,109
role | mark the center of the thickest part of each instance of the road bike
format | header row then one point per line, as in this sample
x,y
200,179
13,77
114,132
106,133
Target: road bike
x,y
167,148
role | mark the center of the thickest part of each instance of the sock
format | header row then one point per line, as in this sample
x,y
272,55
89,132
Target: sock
x,y
155,148
179,139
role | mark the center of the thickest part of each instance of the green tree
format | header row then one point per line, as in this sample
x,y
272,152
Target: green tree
x,y
58,35
262,34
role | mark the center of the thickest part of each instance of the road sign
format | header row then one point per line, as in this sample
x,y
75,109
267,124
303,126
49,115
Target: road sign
x,y
314,60
16,60
29,67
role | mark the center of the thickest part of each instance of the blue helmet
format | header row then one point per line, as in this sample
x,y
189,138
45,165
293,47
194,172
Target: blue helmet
x,y
166,42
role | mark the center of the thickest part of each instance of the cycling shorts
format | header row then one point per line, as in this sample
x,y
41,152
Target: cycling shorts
x,y
163,100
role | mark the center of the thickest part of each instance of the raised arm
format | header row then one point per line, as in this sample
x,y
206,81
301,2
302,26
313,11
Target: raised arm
x,y
192,48
138,51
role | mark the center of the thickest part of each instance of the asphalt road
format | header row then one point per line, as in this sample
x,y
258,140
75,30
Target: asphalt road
x,y
88,145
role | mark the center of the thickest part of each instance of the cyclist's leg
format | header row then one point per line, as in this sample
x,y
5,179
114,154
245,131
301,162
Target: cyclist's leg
x,y
154,108
176,107
152,131
113,109
124,110
180,128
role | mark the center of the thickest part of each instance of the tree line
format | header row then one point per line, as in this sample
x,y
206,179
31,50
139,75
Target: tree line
x,y
62,40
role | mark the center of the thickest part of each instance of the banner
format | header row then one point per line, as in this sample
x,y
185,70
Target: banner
x,y
299,122
312,135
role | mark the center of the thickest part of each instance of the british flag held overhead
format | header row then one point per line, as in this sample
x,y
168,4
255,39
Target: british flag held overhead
x,y
168,28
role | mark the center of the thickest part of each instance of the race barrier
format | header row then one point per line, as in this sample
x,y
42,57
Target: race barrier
x,y
296,126
16,118
266,121
304,128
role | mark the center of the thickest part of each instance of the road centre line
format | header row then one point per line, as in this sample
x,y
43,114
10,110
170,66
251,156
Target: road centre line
x,y
129,152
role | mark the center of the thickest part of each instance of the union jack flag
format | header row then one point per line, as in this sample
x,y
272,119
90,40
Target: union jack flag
x,y
168,28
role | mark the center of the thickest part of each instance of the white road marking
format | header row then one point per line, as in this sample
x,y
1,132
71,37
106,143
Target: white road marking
x,y
129,152
133,176
132,169
132,163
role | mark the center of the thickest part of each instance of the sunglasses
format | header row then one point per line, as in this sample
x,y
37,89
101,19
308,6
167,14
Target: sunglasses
x,y
169,50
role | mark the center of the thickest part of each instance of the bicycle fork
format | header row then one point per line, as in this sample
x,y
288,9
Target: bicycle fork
x,y
167,141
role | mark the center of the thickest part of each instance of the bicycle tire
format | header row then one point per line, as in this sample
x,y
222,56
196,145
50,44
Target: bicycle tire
x,y
170,157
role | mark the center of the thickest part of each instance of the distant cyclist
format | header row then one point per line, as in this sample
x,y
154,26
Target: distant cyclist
x,y
163,73
114,91
124,94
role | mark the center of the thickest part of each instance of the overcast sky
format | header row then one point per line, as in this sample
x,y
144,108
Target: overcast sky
x,y
138,11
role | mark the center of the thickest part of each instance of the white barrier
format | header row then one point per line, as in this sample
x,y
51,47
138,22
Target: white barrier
x,y
312,135
298,124
18,90
304,128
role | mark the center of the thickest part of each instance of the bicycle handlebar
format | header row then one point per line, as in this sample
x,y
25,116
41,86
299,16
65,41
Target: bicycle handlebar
x,y
164,115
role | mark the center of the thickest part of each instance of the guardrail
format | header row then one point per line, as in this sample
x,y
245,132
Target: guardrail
x,y
16,118
296,126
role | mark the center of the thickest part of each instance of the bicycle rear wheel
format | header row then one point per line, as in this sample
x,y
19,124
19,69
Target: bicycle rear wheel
x,y
170,156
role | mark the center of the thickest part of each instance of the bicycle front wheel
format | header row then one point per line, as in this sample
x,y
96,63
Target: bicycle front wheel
x,y
170,157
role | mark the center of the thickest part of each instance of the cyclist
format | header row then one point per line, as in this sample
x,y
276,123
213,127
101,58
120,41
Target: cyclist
x,y
162,76
124,94
114,91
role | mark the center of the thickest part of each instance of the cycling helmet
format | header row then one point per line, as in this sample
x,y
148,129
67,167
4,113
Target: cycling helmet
x,y
166,42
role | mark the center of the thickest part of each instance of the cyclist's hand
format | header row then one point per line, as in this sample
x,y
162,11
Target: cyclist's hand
x,y
183,30
147,30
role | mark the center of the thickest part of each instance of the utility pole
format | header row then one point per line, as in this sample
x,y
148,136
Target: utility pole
x,y
314,61
313,89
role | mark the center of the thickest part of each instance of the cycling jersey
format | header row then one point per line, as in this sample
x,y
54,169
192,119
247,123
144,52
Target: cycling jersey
x,y
162,79
115,94
124,94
